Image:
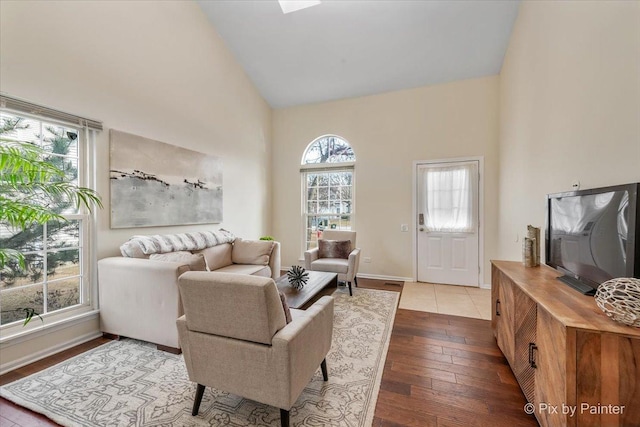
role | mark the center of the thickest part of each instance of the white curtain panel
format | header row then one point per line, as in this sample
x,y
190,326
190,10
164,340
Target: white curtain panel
x,y
449,198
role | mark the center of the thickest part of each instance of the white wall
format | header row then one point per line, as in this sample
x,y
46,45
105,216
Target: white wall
x,y
569,107
388,132
155,69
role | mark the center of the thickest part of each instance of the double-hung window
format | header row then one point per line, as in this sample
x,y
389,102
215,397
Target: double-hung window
x,y
328,187
56,281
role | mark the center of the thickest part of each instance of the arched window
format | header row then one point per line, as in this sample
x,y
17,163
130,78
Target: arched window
x,y
328,187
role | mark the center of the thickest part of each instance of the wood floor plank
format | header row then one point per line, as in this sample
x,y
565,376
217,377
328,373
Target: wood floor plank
x,y
423,371
408,342
418,351
493,351
396,387
490,386
417,332
507,395
394,416
477,332
474,355
430,365
408,379
469,403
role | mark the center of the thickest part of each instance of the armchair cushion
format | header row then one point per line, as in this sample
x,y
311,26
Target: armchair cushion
x,y
256,252
332,265
334,248
195,262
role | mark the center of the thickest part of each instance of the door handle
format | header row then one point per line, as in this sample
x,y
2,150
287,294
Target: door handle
x,y
532,357
498,307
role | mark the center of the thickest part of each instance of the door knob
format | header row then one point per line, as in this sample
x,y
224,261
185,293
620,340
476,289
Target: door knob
x,y
421,229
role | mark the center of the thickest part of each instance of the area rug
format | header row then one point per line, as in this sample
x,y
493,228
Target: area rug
x,y
130,383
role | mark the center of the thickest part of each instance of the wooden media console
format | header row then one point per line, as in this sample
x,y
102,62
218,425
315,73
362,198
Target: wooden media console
x,y
575,365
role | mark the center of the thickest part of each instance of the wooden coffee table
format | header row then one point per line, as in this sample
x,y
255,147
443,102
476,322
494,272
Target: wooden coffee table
x,y
319,284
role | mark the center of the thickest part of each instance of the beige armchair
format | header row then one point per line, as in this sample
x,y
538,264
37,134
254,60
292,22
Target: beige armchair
x,y
347,269
235,338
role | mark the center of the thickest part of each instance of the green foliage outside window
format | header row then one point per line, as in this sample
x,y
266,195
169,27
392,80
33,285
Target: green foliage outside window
x,y
38,186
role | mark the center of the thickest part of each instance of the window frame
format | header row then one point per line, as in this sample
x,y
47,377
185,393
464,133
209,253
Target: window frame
x,y
87,292
330,167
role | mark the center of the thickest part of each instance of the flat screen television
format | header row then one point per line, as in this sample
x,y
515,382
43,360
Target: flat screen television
x,y
594,235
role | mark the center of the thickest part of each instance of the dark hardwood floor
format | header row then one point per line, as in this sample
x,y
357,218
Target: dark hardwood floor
x,y
447,371
441,370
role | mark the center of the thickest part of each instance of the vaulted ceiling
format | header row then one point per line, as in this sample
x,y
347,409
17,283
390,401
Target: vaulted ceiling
x,y
346,48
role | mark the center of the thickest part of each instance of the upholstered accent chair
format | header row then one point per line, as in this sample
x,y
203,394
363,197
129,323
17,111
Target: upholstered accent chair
x,y
235,338
346,265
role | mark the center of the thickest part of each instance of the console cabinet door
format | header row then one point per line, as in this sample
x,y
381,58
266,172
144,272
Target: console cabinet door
x,y
503,314
525,318
551,371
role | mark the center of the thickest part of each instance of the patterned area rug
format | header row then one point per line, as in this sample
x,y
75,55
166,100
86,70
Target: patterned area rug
x,y
130,383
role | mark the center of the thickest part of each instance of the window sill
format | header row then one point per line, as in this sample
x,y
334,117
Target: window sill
x,y
17,334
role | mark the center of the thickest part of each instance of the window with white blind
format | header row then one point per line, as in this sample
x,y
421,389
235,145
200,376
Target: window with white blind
x,y
328,183
56,280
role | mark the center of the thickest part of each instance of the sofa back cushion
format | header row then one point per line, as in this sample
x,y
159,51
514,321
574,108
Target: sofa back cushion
x,y
256,252
217,256
195,262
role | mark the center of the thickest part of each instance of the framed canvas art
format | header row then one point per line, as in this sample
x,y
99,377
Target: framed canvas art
x,y
156,184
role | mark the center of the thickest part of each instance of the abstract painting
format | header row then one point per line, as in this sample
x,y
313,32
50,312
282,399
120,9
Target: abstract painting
x,y
156,184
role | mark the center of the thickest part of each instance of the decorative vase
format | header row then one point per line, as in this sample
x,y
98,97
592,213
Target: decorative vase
x,y
297,277
534,234
528,252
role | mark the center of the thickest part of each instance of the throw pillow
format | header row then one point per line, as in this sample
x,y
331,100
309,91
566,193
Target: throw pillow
x,y
255,252
216,256
285,306
194,261
334,248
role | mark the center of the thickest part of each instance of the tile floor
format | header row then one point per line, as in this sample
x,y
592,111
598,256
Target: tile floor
x,y
462,301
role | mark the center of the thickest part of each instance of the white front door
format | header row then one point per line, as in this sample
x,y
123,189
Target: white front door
x,y
447,225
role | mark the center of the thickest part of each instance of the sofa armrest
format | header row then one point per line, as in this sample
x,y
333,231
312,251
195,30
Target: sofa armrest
x,y
354,263
310,256
139,298
304,343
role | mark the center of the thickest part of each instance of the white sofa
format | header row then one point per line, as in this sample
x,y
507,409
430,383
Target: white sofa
x,y
139,296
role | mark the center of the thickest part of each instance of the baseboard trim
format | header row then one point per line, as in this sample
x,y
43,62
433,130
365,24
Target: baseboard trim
x,y
34,357
369,276
383,277
485,285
